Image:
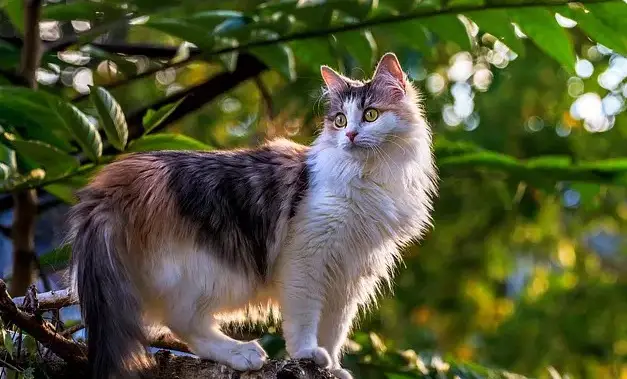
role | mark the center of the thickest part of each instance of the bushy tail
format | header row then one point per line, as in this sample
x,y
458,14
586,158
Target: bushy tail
x,y
109,303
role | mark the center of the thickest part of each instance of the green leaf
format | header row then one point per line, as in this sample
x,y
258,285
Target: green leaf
x,y
62,191
356,8
9,56
361,46
210,19
8,163
449,28
7,341
56,258
14,9
278,57
111,117
613,14
596,28
55,162
166,141
411,33
313,53
540,26
65,189
83,10
152,118
5,171
7,156
497,23
29,113
195,34
80,127
123,65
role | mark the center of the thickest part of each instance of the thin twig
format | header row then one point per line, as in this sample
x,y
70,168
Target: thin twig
x,y
69,350
72,329
50,300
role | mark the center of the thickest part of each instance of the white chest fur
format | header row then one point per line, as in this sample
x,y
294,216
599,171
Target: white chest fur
x,y
357,214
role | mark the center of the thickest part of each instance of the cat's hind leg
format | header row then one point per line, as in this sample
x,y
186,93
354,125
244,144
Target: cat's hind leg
x,y
202,333
193,288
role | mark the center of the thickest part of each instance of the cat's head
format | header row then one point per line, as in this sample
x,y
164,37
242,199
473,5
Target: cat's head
x,y
363,115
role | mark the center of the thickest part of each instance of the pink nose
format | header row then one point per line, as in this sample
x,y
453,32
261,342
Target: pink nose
x,y
351,135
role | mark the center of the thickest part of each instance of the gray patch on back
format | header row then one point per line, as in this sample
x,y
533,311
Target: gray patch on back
x,y
236,199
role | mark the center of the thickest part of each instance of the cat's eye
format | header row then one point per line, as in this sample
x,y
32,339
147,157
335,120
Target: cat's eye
x,y
340,121
371,114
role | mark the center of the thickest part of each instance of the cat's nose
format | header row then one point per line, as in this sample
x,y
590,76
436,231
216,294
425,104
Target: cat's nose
x,y
351,135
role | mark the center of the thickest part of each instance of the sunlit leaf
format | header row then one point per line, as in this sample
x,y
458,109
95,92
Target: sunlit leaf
x,y
278,57
166,141
153,118
80,127
540,26
596,28
497,23
54,161
111,117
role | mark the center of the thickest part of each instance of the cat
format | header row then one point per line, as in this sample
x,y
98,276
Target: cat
x,y
189,239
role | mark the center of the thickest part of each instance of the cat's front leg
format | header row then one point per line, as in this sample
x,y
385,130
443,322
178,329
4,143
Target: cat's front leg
x,y
302,293
337,318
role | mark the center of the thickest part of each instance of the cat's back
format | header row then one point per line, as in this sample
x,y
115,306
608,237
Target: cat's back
x,y
224,201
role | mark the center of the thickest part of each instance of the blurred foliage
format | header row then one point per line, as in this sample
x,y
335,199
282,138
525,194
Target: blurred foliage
x,y
525,269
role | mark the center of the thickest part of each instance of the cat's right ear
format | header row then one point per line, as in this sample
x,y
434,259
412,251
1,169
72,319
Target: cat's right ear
x,y
334,81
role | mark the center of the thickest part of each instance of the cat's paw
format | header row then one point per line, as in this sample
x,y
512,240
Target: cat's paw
x,y
318,354
247,356
341,373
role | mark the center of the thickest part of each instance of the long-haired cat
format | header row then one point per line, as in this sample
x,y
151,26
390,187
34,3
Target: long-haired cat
x,y
189,239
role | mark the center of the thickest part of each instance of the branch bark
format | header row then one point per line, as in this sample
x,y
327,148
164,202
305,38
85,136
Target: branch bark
x,y
68,350
168,366
68,359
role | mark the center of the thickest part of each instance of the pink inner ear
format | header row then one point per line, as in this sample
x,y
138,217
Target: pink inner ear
x,y
390,66
333,80
390,75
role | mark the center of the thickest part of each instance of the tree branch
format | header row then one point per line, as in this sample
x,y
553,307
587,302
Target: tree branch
x,y
168,366
73,358
195,97
69,350
49,300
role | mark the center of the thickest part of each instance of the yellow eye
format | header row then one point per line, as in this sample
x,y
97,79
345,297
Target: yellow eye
x,y
371,114
340,120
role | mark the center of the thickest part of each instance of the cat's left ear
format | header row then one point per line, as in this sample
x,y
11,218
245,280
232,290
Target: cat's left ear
x,y
333,80
389,72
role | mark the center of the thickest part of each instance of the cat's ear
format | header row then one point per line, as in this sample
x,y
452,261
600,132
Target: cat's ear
x,y
333,80
390,73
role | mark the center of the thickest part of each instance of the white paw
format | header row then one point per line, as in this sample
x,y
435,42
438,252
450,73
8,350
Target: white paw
x,y
247,356
341,373
318,354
